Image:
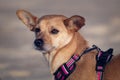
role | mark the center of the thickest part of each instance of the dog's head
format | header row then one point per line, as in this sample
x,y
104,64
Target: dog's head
x,y
52,31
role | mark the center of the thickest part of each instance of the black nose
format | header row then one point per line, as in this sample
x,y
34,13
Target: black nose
x,y
39,43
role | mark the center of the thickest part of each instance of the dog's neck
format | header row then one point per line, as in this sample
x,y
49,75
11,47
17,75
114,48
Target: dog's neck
x,y
86,64
76,46
85,69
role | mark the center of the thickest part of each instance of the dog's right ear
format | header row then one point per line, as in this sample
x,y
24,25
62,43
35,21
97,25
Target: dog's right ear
x,y
27,18
74,23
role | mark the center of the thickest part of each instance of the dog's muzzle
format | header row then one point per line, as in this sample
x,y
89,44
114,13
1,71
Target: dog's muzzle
x,y
39,44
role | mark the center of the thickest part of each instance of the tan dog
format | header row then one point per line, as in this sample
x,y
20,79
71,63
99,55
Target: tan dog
x,y
58,39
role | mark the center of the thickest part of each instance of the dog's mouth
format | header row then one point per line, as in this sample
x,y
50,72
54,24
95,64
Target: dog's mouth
x,y
43,47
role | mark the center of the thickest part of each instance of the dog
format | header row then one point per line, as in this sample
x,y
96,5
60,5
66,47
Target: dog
x,y
57,37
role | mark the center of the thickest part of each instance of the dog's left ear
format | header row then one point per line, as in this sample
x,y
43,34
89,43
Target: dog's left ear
x,y
74,23
27,18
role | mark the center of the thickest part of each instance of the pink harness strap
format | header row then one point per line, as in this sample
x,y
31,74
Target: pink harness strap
x,y
67,68
102,59
99,75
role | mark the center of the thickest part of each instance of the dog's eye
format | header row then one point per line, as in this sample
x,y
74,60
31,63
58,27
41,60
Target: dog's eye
x,y
37,30
54,31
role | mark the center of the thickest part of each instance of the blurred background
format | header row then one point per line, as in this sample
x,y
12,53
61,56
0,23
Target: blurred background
x,y
19,60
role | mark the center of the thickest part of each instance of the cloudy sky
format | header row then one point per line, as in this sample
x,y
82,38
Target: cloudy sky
x,y
19,60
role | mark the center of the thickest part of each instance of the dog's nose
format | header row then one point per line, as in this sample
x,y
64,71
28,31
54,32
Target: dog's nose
x,y
39,42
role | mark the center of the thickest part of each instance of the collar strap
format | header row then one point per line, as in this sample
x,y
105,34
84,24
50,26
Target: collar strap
x,y
102,59
67,68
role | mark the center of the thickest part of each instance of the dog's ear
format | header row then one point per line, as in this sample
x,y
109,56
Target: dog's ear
x,y
27,18
74,23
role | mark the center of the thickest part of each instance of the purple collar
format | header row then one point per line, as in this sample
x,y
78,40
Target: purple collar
x,y
67,68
